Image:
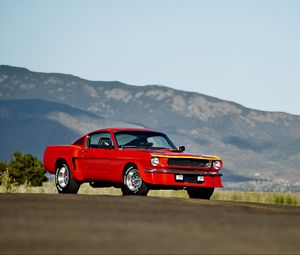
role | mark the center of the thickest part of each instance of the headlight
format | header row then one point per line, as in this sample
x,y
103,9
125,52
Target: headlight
x,y
154,161
217,165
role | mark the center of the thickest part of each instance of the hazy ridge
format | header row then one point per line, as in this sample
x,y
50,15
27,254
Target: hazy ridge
x,y
261,150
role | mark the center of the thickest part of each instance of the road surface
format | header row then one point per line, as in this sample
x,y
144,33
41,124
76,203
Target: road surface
x,y
53,223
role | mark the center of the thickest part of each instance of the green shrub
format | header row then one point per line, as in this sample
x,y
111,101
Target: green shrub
x,y
25,168
3,168
6,181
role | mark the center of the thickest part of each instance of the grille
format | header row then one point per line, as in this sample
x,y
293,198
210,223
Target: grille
x,y
189,162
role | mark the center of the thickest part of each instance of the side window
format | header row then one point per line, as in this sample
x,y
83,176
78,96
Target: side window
x,y
101,140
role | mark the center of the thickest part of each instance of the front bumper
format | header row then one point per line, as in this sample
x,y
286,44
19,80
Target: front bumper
x,y
167,177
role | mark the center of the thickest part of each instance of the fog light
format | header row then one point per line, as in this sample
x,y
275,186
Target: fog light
x,y
179,177
200,178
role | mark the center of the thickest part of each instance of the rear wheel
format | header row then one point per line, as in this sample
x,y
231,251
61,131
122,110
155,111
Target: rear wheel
x,y
133,183
202,193
64,181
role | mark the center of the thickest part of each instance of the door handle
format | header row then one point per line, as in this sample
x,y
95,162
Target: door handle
x,y
84,151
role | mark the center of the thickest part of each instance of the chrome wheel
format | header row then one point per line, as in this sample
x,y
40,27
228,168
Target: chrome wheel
x,y
64,181
63,176
133,183
133,180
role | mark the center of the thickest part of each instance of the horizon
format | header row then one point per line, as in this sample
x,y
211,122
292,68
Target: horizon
x,y
145,85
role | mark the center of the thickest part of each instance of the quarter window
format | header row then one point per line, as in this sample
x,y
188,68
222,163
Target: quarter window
x,y
79,142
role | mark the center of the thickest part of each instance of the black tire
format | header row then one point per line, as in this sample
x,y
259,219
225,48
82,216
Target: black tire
x,y
64,181
133,183
202,193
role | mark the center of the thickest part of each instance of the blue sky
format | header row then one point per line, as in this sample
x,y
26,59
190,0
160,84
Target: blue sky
x,y
243,51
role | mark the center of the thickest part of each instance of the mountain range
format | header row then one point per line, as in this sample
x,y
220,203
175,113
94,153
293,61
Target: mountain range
x,y
260,149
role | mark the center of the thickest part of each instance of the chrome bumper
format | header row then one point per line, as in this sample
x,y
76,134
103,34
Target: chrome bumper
x,y
180,171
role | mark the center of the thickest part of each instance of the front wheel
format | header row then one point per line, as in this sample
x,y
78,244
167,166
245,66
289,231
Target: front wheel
x,y
133,183
64,181
202,193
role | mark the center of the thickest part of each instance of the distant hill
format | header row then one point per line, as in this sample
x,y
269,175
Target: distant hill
x,y
29,125
50,108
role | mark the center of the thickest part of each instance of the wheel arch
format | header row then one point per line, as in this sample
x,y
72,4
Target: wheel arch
x,y
77,174
128,164
73,185
143,189
138,166
60,161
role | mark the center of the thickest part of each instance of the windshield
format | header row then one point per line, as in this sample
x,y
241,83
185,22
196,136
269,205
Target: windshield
x,y
141,139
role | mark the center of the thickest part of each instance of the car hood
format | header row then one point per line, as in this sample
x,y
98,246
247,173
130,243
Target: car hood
x,y
174,154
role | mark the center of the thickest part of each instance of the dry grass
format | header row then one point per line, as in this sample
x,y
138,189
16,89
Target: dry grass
x,y
257,197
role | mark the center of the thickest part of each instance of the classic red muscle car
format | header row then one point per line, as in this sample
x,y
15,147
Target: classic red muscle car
x,y
134,160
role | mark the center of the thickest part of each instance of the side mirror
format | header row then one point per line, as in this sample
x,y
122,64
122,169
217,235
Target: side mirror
x,y
181,148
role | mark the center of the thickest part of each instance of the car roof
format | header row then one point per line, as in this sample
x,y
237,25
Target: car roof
x,y
124,129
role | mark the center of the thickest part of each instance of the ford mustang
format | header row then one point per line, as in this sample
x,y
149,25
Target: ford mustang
x,y
135,160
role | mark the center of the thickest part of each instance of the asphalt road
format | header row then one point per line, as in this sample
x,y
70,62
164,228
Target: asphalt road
x,y
44,223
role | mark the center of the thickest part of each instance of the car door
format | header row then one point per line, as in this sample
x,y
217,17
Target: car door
x,y
96,158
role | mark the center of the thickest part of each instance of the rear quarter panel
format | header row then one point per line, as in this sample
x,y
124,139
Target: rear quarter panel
x,y
53,153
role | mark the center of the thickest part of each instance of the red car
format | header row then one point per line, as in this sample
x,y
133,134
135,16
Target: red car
x,y
134,160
